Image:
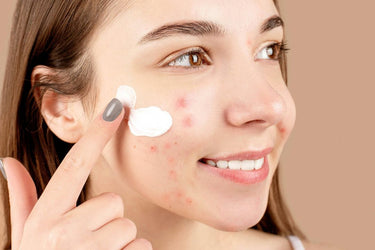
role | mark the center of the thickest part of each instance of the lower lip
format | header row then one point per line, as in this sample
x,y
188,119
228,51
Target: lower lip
x,y
246,177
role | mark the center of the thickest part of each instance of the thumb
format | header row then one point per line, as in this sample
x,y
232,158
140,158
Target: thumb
x,y
22,197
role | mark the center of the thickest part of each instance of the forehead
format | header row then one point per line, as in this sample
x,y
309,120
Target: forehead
x,y
141,16
115,46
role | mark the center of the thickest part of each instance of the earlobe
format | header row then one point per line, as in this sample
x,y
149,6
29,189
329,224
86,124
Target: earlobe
x,y
63,114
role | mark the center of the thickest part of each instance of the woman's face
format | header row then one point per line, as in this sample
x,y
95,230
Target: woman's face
x,y
227,97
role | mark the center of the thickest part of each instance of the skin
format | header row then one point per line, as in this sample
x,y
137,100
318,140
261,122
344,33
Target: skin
x,y
238,103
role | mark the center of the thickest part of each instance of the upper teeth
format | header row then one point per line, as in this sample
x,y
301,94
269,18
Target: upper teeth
x,y
236,164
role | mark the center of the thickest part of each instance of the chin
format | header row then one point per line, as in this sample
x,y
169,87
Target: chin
x,y
235,220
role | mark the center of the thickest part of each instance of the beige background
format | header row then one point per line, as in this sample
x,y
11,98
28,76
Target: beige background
x,y
328,164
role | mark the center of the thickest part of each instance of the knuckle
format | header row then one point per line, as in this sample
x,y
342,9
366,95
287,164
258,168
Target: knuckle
x,y
128,226
88,243
57,236
143,244
72,163
36,221
115,201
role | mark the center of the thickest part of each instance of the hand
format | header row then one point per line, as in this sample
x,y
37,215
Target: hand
x,y
54,221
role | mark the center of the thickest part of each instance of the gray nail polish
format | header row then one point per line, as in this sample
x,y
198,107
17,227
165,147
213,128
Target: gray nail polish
x,y
2,169
113,110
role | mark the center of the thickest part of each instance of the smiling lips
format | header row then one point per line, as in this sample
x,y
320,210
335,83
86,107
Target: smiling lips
x,y
250,160
236,164
246,168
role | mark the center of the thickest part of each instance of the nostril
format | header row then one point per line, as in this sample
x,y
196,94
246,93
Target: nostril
x,y
256,123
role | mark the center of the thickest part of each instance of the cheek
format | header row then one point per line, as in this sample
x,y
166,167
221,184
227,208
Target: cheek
x,y
187,122
162,157
177,196
181,102
169,157
183,106
153,148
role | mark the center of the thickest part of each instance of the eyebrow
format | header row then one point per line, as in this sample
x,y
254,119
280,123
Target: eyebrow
x,y
271,23
201,28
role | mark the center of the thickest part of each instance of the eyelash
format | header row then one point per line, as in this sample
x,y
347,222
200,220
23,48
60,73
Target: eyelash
x,y
203,53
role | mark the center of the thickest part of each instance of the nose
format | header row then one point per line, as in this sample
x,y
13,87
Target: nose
x,y
255,103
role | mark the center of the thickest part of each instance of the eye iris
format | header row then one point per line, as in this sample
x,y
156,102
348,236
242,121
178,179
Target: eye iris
x,y
273,52
269,51
195,59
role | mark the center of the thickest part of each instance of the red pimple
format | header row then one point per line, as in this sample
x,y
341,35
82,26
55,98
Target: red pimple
x,y
283,132
181,102
189,200
172,175
167,145
179,194
134,146
153,148
166,196
171,160
188,122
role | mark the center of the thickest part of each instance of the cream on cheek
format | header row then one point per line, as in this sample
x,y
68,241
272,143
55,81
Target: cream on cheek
x,y
150,121
153,121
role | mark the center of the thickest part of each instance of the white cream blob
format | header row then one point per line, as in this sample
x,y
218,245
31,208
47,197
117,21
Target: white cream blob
x,y
150,121
127,96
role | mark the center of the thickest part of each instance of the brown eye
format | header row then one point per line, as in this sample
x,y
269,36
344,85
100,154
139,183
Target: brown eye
x,y
272,52
195,59
191,59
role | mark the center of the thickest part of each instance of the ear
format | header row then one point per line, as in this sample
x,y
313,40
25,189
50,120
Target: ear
x,y
63,114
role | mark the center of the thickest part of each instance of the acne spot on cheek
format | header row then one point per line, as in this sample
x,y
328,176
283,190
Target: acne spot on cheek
x,y
134,146
153,148
188,200
181,196
166,197
181,102
173,175
177,194
171,160
188,122
167,145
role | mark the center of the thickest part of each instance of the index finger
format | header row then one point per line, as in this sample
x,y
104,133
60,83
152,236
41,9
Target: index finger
x,y
63,189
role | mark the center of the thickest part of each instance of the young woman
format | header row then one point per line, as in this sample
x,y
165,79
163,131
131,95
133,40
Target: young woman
x,y
209,180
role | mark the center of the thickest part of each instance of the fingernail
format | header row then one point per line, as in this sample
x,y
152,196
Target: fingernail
x,y
2,169
113,110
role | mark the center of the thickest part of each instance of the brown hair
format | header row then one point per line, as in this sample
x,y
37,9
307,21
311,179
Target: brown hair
x,y
55,33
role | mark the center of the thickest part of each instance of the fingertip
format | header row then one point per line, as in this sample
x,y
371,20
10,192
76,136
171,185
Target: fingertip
x,y
15,171
9,161
113,110
103,126
22,196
